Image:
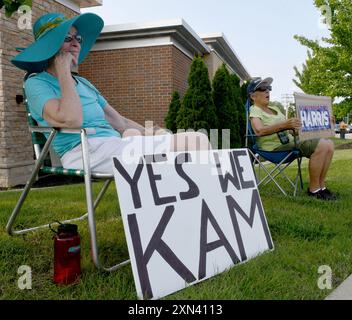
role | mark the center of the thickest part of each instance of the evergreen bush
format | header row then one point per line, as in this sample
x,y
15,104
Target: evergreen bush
x,y
239,105
174,107
224,100
197,109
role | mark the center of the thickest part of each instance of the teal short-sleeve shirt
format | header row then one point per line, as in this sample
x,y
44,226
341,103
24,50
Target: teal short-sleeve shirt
x,y
43,87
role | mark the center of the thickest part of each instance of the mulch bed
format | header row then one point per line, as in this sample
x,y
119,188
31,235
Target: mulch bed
x,y
344,146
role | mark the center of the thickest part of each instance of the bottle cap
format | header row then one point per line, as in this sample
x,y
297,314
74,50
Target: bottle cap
x,y
67,228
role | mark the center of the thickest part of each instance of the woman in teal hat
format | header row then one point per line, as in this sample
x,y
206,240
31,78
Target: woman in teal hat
x,y
57,98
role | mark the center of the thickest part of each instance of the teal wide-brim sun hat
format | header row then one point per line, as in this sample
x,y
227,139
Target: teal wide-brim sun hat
x,y
49,33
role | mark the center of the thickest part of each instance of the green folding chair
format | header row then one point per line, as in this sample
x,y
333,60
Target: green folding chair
x,y
44,156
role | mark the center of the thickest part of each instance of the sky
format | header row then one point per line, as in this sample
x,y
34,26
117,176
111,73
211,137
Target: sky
x,y
260,31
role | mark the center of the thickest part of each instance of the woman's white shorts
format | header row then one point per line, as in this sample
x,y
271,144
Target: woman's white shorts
x,y
102,149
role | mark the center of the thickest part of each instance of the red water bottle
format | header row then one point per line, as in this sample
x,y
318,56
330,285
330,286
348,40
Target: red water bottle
x,y
67,254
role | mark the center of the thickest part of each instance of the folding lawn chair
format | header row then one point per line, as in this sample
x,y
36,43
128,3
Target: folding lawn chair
x,y
42,151
279,160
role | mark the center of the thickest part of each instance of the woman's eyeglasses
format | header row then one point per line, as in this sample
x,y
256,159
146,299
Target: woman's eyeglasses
x,y
70,37
262,89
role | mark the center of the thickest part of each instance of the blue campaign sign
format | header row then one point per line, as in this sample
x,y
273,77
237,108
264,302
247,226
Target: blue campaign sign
x,y
315,118
315,113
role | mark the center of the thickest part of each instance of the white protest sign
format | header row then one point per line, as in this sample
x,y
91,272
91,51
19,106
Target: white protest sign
x,y
315,113
189,216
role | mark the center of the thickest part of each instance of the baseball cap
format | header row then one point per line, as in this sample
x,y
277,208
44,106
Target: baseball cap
x,y
258,82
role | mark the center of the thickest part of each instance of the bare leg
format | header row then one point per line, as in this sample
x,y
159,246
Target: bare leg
x,y
131,132
317,164
327,162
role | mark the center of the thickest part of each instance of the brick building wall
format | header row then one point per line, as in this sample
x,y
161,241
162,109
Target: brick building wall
x,y
138,82
16,153
180,65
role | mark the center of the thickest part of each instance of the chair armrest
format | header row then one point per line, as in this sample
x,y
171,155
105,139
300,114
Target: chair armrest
x,y
62,130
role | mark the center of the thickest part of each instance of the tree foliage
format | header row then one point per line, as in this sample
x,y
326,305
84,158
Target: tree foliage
x,y
291,112
244,91
328,68
342,109
174,107
12,6
217,105
239,102
197,110
278,105
225,100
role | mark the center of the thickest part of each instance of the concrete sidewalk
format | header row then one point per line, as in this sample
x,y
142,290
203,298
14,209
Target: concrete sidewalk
x,y
343,291
348,136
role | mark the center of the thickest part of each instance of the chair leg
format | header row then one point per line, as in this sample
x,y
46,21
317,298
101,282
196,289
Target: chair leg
x,y
280,170
300,171
253,162
299,176
32,179
296,179
277,170
90,207
269,176
25,192
46,226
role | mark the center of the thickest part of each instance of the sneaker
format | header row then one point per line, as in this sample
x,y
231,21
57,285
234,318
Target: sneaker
x,y
317,195
328,194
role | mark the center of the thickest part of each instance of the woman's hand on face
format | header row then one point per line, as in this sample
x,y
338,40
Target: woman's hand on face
x,y
63,61
293,124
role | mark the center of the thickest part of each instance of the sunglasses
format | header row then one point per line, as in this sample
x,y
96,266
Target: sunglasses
x,y
70,37
262,89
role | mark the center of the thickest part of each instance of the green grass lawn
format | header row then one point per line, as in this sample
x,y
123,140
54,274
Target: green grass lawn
x,y
307,233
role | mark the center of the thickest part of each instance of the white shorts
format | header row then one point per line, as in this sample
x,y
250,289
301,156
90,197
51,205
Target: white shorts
x,y
103,148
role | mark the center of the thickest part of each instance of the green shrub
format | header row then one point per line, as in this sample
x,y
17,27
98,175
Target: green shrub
x,y
197,110
224,100
174,107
